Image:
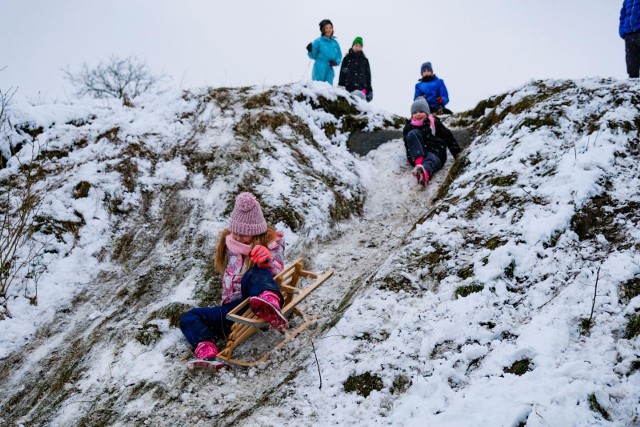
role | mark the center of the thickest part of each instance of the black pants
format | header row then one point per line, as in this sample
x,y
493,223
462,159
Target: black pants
x,y
632,53
416,147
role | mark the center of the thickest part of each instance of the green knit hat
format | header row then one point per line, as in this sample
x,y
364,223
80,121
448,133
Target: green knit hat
x,y
357,40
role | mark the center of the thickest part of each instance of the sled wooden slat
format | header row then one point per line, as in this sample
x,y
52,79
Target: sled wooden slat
x,y
246,323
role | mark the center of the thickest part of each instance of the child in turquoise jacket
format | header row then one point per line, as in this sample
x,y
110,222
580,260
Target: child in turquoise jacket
x,y
326,52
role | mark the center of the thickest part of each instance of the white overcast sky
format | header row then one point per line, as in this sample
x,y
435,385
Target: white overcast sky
x,y
479,47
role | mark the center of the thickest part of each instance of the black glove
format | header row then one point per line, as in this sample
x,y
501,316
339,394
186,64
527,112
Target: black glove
x,y
309,47
369,95
332,63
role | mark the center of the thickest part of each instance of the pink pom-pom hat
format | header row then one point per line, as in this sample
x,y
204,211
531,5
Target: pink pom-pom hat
x,y
247,218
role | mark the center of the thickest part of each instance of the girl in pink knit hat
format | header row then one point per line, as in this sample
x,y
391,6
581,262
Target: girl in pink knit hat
x,y
249,254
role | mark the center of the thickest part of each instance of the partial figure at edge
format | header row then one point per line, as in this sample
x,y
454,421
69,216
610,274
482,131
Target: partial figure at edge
x,y
629,30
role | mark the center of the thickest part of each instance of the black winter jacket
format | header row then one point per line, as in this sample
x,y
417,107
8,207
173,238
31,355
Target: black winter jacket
x,y
355,73
437,144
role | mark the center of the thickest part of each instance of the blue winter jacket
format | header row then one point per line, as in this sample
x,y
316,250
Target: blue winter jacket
x,y
323,50
432,88
629,17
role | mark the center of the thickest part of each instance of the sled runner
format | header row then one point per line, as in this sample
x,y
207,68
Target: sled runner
x,y
247,323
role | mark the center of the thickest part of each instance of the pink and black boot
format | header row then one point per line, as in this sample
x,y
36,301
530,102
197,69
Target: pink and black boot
x,y
267,307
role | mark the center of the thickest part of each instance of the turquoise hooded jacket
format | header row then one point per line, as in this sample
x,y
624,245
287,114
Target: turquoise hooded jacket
x,y
323,50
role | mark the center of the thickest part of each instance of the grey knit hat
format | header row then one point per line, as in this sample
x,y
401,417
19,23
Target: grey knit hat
x,y
420,104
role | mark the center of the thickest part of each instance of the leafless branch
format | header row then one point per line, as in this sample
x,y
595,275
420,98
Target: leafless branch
x,y
121,78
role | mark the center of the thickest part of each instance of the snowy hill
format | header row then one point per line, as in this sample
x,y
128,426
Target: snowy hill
x,y
505,294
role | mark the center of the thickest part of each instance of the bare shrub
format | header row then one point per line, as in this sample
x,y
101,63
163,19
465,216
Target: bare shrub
x,y
122,78
20,255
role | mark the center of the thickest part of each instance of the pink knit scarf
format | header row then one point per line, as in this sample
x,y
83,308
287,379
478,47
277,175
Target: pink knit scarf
x,y
235,247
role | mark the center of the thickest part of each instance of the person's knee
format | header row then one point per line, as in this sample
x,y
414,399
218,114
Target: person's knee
x,y
186,319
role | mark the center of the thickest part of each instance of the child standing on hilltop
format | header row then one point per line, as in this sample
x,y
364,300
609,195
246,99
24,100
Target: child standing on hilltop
x,y
325,50
426,141
433,89
355,74
248,255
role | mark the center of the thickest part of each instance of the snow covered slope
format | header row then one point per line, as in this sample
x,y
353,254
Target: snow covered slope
x,y
503,295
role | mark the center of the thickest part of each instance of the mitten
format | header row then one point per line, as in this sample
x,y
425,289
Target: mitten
x,y
369,95
440,100
309,47
261,256
333,63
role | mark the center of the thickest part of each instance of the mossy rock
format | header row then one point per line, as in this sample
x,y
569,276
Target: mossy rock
x,y
81,190
466,290
519,367
363,384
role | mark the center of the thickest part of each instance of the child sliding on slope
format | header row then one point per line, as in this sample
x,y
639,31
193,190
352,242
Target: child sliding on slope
x,y
426,141
248,255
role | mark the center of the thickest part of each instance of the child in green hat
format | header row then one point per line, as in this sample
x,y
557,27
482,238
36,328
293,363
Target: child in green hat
x,y
355,74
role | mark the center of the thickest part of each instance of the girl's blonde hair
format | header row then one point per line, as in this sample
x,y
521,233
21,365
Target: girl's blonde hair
x,y
221,256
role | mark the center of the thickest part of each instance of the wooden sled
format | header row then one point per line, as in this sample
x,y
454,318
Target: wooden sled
x,y
247,323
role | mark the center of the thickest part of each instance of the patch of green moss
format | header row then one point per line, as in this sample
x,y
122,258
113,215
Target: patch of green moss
x,y
537,122
344,208
495,242
373,338
519,367
260,100
624,125
396,122
633,327
401,384
51,154
457,169
123,247
585,326
595,406
338,107
480,109
465,272
352,123
171,312
630,289
485,121
363,384
597,217
148,334
466,290
510,269
395,282
504,181
553,240
81,190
